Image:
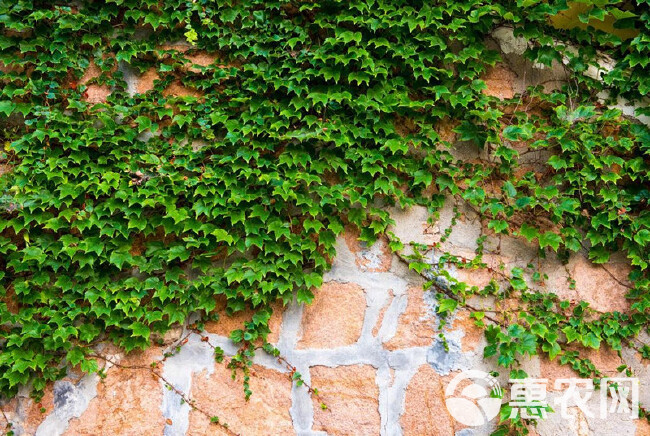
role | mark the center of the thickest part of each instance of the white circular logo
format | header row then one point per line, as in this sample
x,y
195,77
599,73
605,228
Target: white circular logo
x,y
476,403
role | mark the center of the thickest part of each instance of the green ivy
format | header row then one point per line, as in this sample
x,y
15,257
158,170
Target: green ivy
x,y
119,219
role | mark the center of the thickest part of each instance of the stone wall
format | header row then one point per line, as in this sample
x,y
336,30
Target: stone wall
x,y
370,342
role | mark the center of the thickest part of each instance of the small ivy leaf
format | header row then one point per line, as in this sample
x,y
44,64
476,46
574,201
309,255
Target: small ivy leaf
x,y
7,107
582,112
191,36
222,236
348,36
599,254
39,134
528,344
550,239
590,340
557,162
304,296
75,355
571,334
553,349
261,317
178,252
313,280
518,133
396,146
423,177
529,232
228,15
539,330
447,305
143,123
509,189
523,202
119,258
395,246
140,329
499,226
642,237
89,366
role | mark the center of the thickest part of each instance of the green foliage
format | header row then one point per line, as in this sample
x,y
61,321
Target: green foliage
x,y
121,218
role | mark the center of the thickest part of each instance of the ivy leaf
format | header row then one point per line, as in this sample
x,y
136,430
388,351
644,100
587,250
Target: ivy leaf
x,y
222,236
509,189
348,36
119,258
529,232
599,254
140,329
304,296
590,340
228,15
517,133
75,355
557,162
261,317
571,334
553,349
499,226
396,145
143,123
550,239
447,305
642,237
7,107
423,177
313,280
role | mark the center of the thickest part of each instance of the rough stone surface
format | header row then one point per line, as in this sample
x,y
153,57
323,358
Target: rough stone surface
x,y
605,359
335,317
146,81
201,58
382,313
642,428
28,414
527,73
266,413
413,226
177,89
473,335
227,323
95,93
350,393
376,258
4,169
479,277
499,82
71,399
127,401
416,327
425,412
599,285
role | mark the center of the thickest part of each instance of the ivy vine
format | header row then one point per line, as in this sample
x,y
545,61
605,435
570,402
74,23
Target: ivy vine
x,y
119,219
